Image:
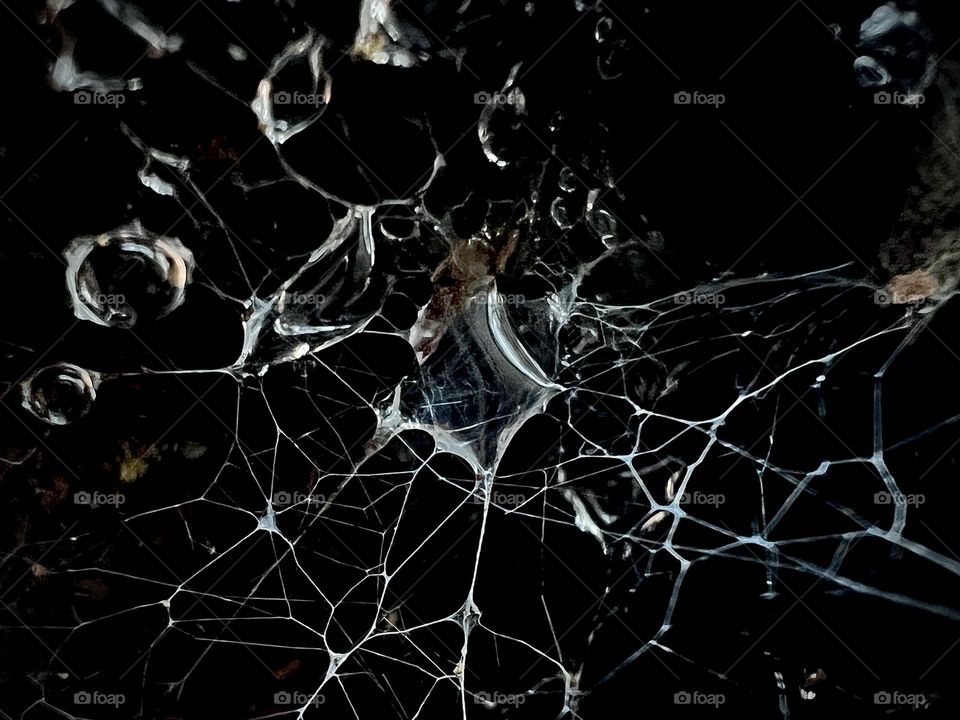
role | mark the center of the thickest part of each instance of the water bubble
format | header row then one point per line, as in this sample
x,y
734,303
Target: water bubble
x,y
117,277
612,60
61,393
870,73
603,225
602,31
497,128
399,228
558,211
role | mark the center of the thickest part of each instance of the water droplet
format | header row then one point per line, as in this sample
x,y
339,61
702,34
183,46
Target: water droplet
x,y
568,180
602,32
119,276
603,225
870,73
558,211
61,393
611,61
399,228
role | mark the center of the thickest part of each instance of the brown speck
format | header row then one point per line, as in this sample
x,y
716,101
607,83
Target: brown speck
x,y
291,668
814,678
217,149
51,497
133,463
92,588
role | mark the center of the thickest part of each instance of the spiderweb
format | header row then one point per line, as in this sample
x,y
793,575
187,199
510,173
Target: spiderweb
x,y
452,455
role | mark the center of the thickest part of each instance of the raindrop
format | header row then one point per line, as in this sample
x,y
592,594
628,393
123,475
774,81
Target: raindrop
x,y
612,59
568,180
870,73
61,393
603,225
602,32
558,211
117,277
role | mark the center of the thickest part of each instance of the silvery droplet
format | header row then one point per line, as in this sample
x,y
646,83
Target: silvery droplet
x,y
603,225
611,61
602,31
568,180
558,211
61,393
116,277
870,73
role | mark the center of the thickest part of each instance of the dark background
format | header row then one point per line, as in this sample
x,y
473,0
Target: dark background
x,y
717,185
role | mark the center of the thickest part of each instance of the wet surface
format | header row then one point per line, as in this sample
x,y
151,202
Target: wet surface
x,y
492,359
